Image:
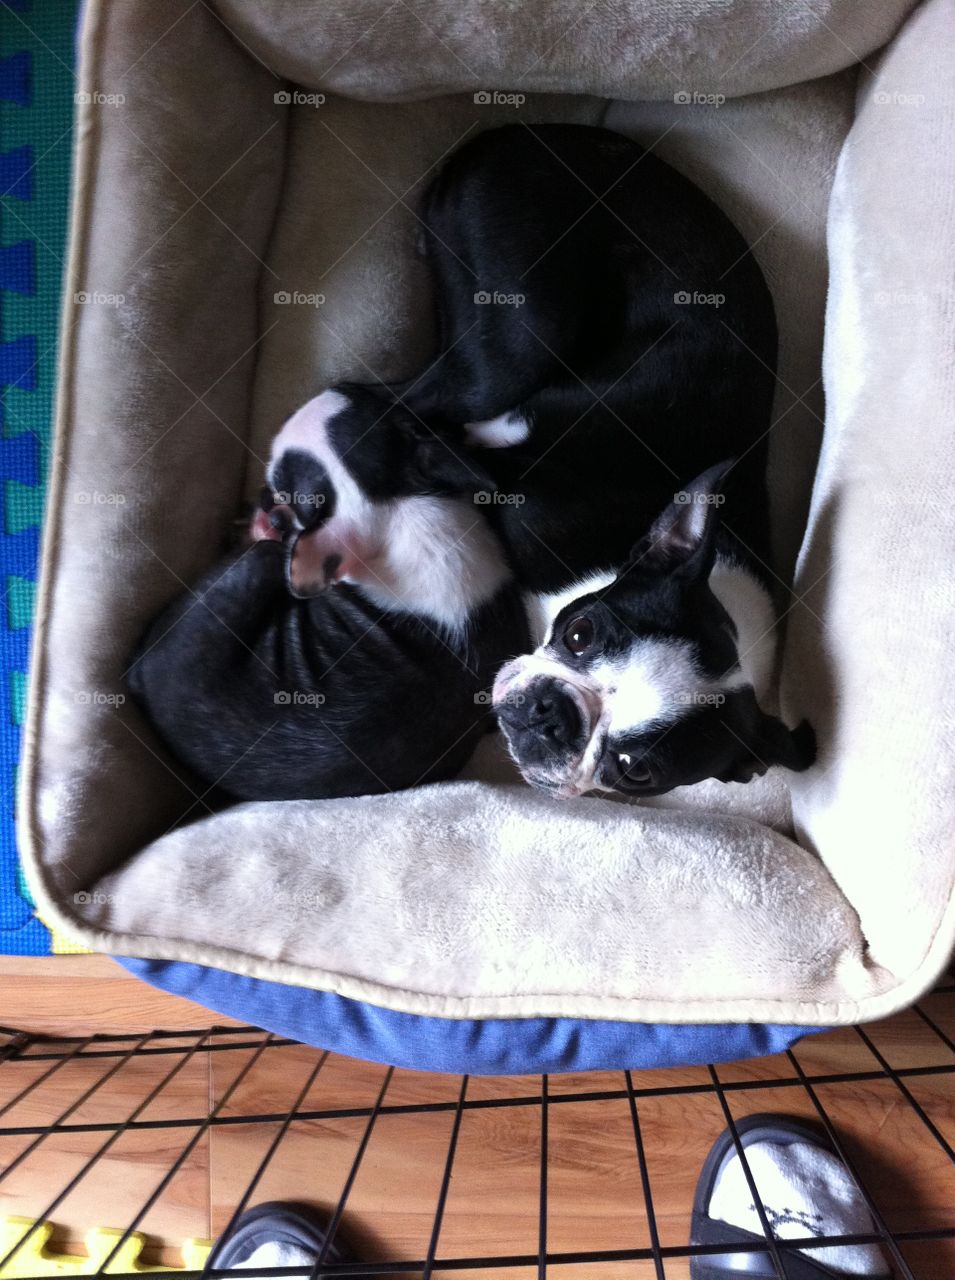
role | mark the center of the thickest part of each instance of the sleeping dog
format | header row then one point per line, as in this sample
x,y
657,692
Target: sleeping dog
x,y
576,280
270,687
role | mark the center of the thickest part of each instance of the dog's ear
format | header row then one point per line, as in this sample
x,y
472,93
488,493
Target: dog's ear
x,y
765,741
682,539
792,748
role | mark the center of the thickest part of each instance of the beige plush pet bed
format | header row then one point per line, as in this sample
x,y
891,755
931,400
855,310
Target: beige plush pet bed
x,y
244,221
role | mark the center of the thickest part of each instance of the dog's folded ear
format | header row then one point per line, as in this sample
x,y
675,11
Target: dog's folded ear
x,y
682,539
792,748
765,741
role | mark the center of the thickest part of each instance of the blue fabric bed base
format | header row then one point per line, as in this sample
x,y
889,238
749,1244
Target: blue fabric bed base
x,y
493,1046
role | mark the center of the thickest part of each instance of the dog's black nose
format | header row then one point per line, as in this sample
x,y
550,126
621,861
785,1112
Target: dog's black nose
x,y
545,710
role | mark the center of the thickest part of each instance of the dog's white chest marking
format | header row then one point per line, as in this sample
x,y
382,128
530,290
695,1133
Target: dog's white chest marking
x,y
440,558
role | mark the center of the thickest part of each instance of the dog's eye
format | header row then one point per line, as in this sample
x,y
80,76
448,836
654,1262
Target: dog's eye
x,y
634,771
579,635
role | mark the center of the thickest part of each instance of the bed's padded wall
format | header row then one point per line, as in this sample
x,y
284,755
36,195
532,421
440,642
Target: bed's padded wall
x,y
377,49
870,654
179,178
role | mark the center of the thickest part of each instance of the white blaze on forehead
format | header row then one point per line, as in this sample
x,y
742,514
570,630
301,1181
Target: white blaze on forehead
x,y
307,432
652,682
307,428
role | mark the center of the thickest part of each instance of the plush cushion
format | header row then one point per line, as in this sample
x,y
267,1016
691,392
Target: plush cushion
x,y
374,50
213,193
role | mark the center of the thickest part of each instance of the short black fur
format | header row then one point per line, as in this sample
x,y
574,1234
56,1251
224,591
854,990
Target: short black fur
x,y
270,698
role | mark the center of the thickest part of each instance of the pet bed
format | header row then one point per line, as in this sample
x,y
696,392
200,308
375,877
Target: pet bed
x,y
244,196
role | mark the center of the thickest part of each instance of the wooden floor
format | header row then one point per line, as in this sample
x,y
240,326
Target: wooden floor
x,y
595,1199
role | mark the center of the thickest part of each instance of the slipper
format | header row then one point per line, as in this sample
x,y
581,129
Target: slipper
x,y
797,1165
281,1223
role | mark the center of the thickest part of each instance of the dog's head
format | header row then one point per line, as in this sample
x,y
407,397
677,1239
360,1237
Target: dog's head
x,y
345,484
638,686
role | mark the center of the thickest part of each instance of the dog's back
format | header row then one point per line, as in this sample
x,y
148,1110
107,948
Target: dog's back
x,y
590,287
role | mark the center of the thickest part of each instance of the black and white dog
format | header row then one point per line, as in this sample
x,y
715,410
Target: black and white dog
x,y
604,335
609,335
269,687
650,676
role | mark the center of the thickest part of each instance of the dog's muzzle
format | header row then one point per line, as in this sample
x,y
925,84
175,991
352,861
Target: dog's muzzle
x,y
548,721
546,711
